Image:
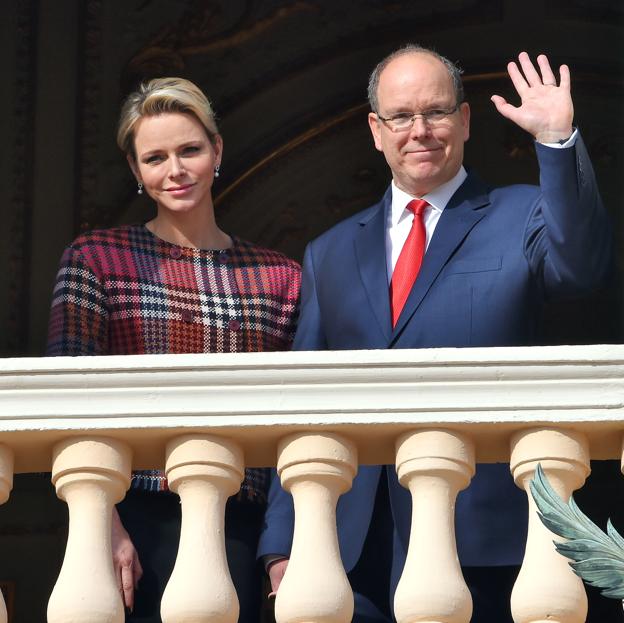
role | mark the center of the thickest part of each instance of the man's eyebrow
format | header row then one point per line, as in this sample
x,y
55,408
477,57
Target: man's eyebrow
x,y
408,110
395,110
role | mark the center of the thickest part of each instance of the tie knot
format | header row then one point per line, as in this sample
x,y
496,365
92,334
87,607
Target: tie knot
x,y
417,206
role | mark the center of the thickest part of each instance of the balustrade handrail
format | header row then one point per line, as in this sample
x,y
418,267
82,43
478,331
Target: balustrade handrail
x,y
259,398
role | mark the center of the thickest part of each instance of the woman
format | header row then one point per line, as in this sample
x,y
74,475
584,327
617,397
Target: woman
x,y
176,284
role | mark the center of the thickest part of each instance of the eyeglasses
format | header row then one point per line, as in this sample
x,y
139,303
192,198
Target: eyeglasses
x,y
405,120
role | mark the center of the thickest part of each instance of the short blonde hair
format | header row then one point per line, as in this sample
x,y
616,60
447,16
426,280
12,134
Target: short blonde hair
x,y
163,95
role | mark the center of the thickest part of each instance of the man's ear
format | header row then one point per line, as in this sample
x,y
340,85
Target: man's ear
x,y
464,111
373,124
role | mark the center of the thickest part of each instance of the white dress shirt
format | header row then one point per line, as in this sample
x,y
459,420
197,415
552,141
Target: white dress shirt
x,y
400,219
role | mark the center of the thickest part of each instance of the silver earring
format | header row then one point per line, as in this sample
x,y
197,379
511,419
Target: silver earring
x,y
139,188
217,170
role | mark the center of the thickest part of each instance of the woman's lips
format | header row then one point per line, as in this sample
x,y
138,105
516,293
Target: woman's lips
x,y
179,190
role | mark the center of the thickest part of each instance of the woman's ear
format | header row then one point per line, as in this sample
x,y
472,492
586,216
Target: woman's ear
x,y
133,167
217,145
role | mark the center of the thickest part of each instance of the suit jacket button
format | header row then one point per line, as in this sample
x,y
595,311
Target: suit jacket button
x,y
187,315
175,252
234,325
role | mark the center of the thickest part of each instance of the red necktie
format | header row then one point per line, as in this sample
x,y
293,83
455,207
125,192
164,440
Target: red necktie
x,y
410,259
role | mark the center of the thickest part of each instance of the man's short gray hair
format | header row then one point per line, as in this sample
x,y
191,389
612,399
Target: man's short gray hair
x,y
412,48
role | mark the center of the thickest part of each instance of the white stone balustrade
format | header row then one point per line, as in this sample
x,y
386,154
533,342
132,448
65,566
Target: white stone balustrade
x,y
547,589
204,470
202,413
316,469
435,465
91,474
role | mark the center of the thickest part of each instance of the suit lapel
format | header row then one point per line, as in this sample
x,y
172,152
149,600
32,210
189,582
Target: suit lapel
x,y
370,251
462,213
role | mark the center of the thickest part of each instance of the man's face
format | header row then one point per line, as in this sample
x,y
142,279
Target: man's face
x,y
430,153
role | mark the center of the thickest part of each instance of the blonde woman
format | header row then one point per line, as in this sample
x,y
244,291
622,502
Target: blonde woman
x,y
176,284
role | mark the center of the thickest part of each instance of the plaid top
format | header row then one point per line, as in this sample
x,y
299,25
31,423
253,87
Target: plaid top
x,y
123,291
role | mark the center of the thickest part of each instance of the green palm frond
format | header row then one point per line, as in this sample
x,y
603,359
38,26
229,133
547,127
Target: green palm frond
x,y
598,558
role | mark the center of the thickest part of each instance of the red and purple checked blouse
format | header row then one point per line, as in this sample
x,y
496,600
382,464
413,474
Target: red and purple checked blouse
x,y
123,291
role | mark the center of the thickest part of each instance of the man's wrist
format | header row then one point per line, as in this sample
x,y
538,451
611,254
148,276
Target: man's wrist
x,y
554,138
270,559
568,141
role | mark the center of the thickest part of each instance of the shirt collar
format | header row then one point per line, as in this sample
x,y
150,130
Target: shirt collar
x,y
437,198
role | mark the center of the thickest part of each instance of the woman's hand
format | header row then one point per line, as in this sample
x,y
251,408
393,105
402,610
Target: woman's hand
x,y
126,564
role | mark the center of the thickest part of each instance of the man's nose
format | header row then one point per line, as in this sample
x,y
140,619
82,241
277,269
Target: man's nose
x,y
420,127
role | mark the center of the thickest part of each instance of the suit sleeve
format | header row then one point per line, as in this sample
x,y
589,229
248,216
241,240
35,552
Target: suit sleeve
x,y
310,334
279,521
568,241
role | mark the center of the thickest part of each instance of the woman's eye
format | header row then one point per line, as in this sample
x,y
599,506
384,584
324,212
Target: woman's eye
x,y
153,159
190,149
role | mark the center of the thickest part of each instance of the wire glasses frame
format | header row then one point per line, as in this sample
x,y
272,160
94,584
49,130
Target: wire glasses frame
x,y
404,121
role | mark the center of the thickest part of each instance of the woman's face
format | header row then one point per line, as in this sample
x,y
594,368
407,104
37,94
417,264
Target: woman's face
x,y
175,161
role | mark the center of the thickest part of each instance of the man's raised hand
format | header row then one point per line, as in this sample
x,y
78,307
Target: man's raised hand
x,y
546,109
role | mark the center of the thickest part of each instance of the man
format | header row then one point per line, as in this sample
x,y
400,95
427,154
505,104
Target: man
x,y
468,266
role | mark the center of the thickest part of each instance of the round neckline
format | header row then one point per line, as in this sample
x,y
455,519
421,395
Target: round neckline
x,y
191,249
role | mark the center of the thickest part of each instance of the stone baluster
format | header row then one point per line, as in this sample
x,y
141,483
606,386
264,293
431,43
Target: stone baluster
x,y
316,468
6,484
204,471
547,590
434,465
91,474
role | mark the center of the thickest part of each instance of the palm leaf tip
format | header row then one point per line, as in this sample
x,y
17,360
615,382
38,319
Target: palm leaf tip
x,y
598,558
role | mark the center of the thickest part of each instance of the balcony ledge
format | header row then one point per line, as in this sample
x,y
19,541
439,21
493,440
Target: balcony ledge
x,y
258,398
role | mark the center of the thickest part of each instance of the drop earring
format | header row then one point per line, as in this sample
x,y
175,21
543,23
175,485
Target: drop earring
x,y
217,170
139,188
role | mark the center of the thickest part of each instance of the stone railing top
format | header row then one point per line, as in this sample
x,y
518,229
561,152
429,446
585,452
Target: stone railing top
x,y
258,398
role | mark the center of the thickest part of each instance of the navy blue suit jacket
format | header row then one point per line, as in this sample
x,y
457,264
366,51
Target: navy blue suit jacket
x,y
495,257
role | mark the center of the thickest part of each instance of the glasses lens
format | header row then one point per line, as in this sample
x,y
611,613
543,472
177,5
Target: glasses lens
x,y
401,123
434,116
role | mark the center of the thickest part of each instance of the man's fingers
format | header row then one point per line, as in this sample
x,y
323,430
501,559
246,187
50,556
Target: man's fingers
x,y
564,76
498,101
276,571
517,78
503,107
548,77
530,73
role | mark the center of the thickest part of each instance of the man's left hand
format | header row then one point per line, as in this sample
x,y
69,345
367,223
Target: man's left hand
x,y
546,110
